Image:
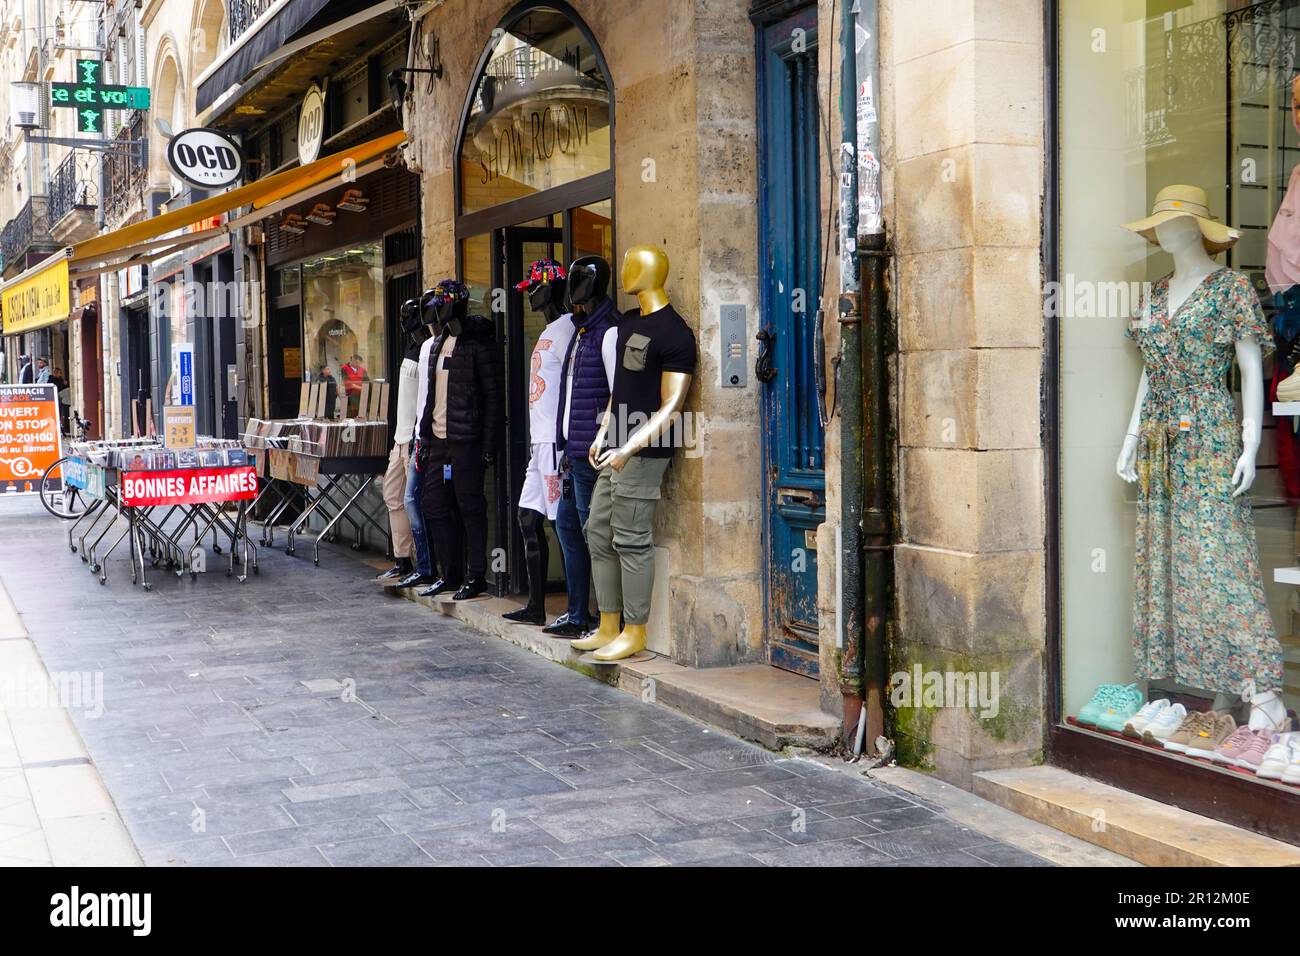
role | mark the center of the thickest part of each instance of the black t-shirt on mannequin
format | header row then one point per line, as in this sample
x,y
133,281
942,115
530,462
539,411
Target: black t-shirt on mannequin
x,y
648,345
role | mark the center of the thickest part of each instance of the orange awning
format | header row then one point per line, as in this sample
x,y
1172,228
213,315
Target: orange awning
x,y
256,194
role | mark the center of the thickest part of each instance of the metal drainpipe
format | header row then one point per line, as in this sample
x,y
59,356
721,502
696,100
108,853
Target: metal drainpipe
x,y
850,387
866,533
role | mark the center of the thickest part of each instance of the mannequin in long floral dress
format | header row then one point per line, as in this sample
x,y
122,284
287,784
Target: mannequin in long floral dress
x,y
1200,615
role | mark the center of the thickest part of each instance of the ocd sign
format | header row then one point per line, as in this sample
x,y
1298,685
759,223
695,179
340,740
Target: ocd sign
x,y
206,158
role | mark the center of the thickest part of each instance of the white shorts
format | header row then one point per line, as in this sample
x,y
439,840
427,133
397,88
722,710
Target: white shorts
x,y
541,491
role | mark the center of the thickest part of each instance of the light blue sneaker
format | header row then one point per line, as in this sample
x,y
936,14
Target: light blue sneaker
x,y
1101,699
1117,713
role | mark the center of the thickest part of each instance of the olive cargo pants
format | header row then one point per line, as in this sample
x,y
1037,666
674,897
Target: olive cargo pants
x,y
620,537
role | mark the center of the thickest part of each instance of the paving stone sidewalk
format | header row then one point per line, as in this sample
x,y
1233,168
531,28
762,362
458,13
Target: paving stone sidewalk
x,y
304,718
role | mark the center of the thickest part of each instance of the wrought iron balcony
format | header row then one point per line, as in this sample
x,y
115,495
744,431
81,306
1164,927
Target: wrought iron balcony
x,y
75,185
242,14
126,171
26,238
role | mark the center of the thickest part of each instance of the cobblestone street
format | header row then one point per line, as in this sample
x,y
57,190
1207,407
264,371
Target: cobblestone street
x,y
230,734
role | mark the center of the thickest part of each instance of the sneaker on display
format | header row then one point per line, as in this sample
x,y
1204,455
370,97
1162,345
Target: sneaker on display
x,y
1149,712
1254,753
1192,728
1207,740
1101,699
1164,724
1292,772
1238,743
1275,760
1121,707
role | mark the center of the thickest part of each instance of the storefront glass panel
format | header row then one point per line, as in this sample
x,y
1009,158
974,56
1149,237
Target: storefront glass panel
x,y
540,116
1169,583
593,231
343,319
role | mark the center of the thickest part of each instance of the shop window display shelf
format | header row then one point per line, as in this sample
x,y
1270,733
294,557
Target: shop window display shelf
x,y
1181,757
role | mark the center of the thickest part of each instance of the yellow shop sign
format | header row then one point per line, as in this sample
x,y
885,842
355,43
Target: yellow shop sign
x,y
36,298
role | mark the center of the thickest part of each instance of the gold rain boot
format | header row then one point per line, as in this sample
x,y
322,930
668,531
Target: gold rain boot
x,y
605,634
629,643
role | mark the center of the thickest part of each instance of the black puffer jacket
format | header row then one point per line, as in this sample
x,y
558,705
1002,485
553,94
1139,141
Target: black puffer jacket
x,y
473,385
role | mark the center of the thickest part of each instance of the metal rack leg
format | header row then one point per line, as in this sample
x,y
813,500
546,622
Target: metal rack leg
x,y
91,509
342,512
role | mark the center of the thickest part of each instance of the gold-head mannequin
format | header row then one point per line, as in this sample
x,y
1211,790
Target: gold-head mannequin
x,y
645,270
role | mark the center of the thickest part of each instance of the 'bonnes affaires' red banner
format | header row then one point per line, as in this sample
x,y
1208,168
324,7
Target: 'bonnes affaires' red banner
x,y
190,486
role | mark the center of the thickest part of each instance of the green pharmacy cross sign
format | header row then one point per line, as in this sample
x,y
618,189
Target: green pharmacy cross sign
x,y
90,98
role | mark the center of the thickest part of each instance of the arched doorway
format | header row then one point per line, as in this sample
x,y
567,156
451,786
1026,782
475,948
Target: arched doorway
x,y
534,179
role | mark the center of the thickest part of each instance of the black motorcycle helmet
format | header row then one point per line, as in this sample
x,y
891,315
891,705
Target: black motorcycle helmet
x,y
588,282
428,314
412,321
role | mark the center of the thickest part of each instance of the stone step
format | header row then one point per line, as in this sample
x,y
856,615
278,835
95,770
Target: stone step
x,y
756,702
1139,828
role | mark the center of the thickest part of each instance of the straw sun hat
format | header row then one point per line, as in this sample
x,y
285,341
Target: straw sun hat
x,y
1175,201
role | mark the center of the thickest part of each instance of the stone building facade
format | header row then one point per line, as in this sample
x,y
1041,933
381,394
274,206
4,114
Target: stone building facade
x,y
961,101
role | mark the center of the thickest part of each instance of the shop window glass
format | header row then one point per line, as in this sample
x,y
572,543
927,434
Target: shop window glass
x,y
343,319
1155,94
593,231
540,116
476,255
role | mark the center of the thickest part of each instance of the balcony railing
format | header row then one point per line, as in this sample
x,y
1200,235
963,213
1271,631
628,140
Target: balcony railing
x,y
75,185
27,232
242,14
126,171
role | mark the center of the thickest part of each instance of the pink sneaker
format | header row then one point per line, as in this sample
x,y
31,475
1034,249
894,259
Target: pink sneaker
x,y
1232,749
1254,753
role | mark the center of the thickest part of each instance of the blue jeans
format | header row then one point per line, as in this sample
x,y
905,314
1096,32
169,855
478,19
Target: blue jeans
x,y
569,521
411,501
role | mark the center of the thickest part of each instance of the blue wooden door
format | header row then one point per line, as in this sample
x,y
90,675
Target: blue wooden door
x,y
790,203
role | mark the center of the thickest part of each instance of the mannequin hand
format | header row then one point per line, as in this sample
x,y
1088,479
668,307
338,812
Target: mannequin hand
x,y
616,459
1243,476
1125,466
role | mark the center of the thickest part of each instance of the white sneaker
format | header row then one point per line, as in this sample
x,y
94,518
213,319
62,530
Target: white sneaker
x,y
1161,727
1292,772
1275,761
1149,712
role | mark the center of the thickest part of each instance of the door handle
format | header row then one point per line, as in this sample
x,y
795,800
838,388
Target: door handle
x,y
764,370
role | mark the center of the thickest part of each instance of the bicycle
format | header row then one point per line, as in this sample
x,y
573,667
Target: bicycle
x,y
59,498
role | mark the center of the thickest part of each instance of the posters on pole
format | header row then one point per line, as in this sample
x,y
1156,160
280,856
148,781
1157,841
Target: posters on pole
x,y
29,436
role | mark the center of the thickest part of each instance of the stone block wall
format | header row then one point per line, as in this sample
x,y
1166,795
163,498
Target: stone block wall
x,y
965,127
685,179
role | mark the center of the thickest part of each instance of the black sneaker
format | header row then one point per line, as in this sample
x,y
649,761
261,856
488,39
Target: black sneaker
x,y
395,573
413,580
526,615
563,627
472,589
439,587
